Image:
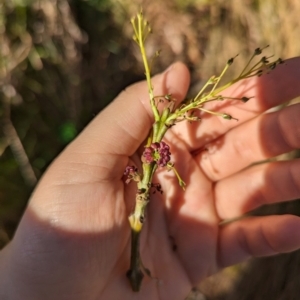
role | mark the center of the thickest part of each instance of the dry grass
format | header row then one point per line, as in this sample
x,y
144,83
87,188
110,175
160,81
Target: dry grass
x,y
206,34
62,63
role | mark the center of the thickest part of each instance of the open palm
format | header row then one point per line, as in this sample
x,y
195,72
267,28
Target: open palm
x,y
74,239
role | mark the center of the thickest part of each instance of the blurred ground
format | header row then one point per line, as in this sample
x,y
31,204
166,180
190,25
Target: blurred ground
x,y
62,61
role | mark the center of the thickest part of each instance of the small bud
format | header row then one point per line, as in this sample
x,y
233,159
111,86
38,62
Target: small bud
x,y
228,117
131,172
273,66
245,99
148,155
130,169
230,61
157,53
257,51
213,79
259,73
264,60
168,97
280,61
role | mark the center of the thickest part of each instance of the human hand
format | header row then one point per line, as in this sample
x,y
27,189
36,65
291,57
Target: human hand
x,y
73,241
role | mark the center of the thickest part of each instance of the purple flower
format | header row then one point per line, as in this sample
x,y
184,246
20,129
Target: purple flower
x,y
131,173
148,155
158,152
130,170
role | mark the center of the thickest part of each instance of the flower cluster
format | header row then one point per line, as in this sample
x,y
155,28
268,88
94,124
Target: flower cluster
x,y
131,173
158,152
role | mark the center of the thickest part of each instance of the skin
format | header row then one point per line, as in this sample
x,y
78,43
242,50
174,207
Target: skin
x,y
73,241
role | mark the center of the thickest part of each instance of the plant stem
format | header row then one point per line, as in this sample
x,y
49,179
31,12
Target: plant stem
x,y
136,220
135,274
146,65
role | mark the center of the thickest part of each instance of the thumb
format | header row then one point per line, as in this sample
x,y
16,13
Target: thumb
x,y
125,123
118,131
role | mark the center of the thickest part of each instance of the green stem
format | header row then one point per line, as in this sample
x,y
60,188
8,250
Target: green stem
x,y
162,132
219,78
146,66
203,89
247,65
135,274
136,220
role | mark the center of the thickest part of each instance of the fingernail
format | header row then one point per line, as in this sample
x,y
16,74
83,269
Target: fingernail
x,y
169,68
